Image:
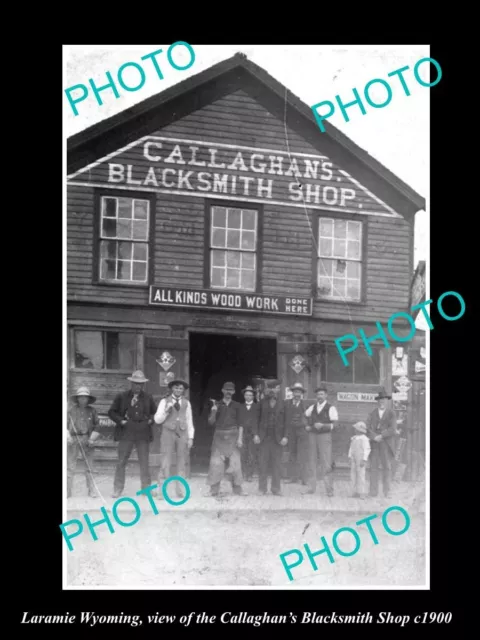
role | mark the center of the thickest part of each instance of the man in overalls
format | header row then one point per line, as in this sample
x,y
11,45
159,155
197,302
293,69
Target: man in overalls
x,y
175,414
227,442
82,424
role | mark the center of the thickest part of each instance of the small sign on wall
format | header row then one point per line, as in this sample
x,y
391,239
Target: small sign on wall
x,y
343,396
166,377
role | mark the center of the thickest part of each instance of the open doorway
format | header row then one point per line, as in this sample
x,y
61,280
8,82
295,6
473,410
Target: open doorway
x,y
215,359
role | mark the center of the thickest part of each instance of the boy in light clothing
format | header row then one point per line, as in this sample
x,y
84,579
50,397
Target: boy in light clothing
x,y
358,456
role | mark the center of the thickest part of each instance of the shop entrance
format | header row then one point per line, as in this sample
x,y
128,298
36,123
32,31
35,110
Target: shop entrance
x,y
215,359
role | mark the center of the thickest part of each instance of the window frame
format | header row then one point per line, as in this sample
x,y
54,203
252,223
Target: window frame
x,y
330,346
102,330
232,204
347,217
134,195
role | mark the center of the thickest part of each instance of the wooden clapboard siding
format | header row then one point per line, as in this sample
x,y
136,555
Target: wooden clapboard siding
x,y
102,385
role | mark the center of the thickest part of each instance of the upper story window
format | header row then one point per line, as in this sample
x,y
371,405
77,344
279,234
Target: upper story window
x,y
124,238
233,248
339,262
104,350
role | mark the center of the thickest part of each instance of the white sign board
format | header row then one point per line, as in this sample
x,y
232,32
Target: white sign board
x,y
343,396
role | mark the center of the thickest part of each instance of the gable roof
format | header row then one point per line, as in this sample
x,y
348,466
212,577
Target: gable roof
x,y
221,79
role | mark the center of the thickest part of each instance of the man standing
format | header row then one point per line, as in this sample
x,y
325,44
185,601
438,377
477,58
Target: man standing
x,y
175,413
133,412
272,437
297,435
249,417
227,442
82,425
321,418
381,429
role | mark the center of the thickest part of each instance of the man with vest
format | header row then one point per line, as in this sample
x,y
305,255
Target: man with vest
x,y
227,442
297,435
272,438
175,414
249,417
133,411
321,418
381,429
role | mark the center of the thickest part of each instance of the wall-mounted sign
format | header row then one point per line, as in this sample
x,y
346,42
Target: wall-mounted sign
x,y
229,172
209,299
403,384
166,361
400,396
420,367
343,396
166,377
399,365
297,363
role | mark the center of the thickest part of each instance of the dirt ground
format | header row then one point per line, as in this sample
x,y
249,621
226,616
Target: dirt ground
x,y
242,548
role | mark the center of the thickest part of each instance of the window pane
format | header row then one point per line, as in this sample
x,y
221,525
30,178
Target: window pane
x,y
218,277
248,260
324,268
109,228
338,288
139,251
234,218
124,229
89,349
354,229
108,249
248,220
336,370
353,289
110,207
324,287
326,227
339,248
120,348
233,278
339,268
353,269
366,368
218,258
353,250
248,280
125,207
141,209
325,247
139,271
124,268
140,230
233,259
218,238
233,239
125,250
107,269
340,229
248,240
219,217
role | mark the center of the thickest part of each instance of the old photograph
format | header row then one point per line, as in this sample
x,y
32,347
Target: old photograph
x,y
246,337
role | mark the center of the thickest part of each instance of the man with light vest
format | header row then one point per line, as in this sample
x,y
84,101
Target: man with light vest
x,y
175,414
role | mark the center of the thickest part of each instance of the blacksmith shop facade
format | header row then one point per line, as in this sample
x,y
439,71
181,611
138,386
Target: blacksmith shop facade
x,y
214,233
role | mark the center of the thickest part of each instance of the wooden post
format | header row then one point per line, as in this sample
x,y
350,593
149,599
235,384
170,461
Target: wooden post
x,y
140,352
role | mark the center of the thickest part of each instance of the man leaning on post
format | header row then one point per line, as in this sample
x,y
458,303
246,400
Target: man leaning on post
x,y
133,412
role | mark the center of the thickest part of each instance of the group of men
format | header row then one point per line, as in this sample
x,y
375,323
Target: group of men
x,y
245,435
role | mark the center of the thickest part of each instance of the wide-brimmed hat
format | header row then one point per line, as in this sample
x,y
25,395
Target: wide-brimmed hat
x,y
383,395
297,387
137,376
248,388
271,383
84,391
360,426
228,386
322,387
178,381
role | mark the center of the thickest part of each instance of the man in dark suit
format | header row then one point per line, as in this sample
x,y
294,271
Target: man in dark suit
x,y
297,435
249,417
381,429
272,437
133,412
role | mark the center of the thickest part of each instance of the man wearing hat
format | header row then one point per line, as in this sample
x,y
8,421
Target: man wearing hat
x,y
321,418
297,436
358,455
227,442
82,425
175,414
272,438
381,429
249,417
133,412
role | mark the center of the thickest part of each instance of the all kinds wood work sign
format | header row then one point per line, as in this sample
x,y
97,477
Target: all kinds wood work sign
x,y
343,396
231,172
209,299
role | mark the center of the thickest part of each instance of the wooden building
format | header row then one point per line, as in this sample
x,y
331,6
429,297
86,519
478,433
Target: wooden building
x,y
215,233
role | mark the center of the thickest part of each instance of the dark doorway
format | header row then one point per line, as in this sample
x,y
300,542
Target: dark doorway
x,y
215,359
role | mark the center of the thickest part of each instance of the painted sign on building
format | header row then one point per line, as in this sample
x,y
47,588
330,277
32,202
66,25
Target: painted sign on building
x,y
229,172
343,396
208,299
